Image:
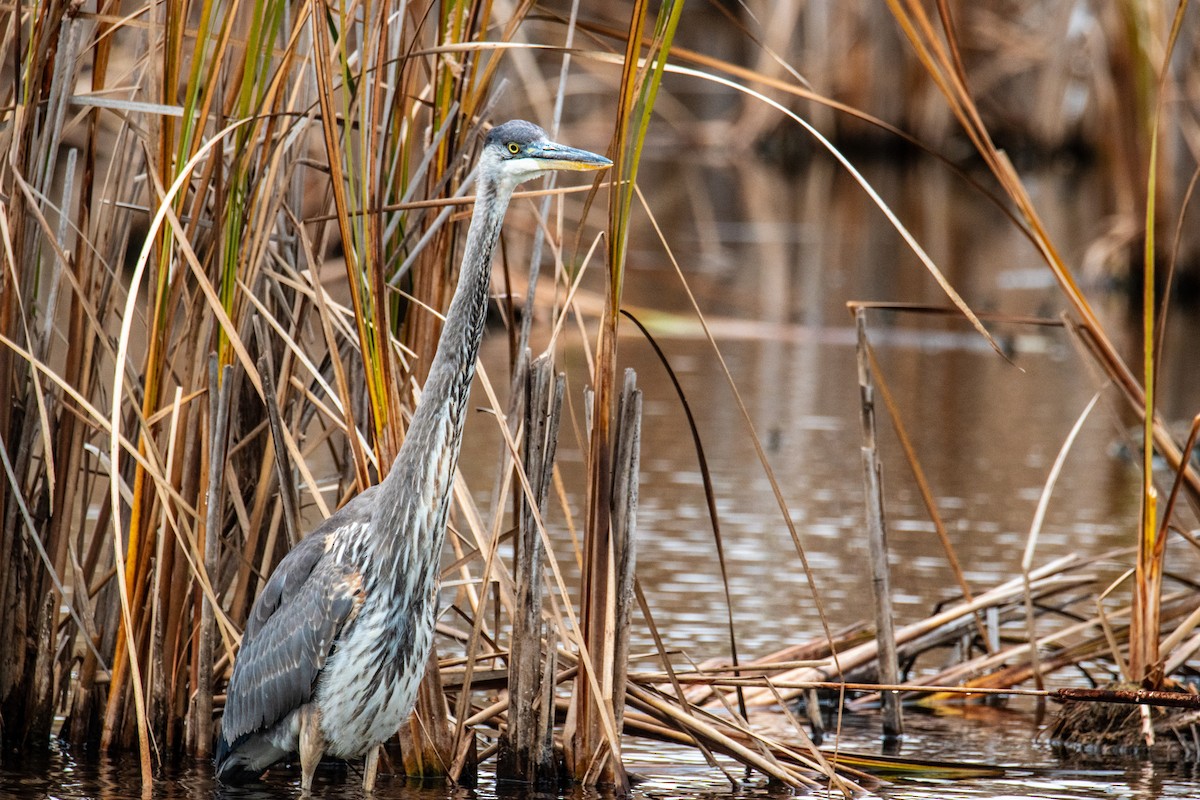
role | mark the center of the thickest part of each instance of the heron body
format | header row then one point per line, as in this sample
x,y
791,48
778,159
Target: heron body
x,y
336,644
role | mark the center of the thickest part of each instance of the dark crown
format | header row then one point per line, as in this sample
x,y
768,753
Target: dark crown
x,y
517,130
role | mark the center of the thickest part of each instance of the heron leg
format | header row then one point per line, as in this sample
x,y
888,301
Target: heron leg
x,y
370,768
312,747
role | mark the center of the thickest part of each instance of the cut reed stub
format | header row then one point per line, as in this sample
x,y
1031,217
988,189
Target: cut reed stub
x,y
591,741
526,749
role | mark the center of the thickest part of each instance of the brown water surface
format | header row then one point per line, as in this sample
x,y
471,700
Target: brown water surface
x,y
773,261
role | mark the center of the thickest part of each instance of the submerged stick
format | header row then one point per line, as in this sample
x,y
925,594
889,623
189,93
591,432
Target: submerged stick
x,y
889,673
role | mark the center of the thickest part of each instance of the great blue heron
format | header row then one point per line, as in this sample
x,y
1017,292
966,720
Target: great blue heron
x,y
336,644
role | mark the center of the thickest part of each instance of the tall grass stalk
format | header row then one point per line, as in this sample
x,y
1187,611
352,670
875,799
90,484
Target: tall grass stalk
x,y
592,746
1144,658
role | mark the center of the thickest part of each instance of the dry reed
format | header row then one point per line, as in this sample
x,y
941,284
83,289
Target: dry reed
x,y
240,156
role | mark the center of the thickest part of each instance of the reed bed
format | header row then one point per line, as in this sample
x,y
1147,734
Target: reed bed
x,y
227,230
196,378
222,161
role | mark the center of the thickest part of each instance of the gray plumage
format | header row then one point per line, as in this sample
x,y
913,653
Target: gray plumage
x,y
336,644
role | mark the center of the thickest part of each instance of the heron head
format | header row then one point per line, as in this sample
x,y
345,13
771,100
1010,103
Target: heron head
x,y
518,151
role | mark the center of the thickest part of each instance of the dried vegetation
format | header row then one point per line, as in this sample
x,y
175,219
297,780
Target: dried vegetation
x,y
225,229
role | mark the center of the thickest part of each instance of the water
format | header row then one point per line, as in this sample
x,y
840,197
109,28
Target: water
x,y
773,277
986,735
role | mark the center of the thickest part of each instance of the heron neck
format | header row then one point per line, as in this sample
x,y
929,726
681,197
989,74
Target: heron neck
x,y
419,483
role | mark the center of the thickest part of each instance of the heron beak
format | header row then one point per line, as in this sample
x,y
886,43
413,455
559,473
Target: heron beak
x,y
550,155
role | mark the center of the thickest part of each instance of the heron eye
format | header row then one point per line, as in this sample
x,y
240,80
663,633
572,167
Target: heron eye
x,y
514,148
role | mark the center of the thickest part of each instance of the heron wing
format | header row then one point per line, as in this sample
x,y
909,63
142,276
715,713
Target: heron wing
x,y
293,626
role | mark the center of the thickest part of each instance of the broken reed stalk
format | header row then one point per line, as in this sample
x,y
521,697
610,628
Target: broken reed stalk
x,y
910,454
592,752
626,463
219,384
782,762
889,672
527,748
1087,639
1142,697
